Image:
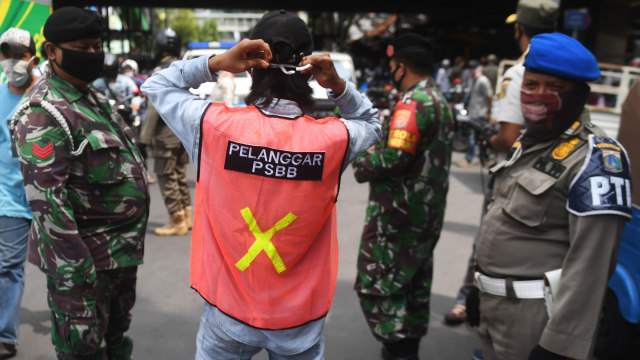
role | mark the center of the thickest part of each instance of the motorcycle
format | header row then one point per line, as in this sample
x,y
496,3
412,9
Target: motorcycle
x,y
457,96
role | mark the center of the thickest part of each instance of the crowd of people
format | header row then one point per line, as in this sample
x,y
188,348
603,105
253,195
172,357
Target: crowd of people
x,y
75,191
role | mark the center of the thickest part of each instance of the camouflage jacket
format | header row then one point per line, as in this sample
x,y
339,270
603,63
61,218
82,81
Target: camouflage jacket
x,y
85,182
408,171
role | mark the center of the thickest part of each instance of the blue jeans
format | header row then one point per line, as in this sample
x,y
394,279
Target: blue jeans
x,y
471,150
213,343
14,233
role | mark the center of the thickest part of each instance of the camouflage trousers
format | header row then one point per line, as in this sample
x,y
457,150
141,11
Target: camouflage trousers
x,y
170,166
81,318
394,283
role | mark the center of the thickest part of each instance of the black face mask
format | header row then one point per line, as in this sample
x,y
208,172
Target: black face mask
x,y
83,65
111,73
396,84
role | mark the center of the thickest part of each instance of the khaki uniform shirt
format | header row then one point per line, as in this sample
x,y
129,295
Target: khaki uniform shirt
x,y
550,211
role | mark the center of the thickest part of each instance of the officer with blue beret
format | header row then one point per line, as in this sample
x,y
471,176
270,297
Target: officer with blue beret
x,y
549,241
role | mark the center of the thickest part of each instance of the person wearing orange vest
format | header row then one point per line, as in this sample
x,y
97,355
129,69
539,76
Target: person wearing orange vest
x,y
264,243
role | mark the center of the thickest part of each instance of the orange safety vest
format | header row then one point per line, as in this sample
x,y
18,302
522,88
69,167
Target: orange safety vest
x,y
264,242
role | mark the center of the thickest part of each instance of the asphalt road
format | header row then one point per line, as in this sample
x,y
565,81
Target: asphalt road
x,y
167,310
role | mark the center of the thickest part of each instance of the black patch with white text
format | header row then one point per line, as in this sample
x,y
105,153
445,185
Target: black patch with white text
x,y
274,163
549,167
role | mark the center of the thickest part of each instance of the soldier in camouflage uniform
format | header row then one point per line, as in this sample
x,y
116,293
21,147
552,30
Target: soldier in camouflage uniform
x,y
86,186
408,174
169,155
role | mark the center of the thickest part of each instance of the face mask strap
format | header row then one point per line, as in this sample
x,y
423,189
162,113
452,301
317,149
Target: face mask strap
x,y
294,68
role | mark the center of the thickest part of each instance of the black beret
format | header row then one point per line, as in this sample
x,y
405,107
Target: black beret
x,y
71,23
408,43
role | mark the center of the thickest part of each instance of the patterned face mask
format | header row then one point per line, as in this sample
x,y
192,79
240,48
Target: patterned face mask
x,y
539,107
549,115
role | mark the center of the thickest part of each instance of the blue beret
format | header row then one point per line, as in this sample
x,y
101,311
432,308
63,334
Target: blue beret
x,y
562,56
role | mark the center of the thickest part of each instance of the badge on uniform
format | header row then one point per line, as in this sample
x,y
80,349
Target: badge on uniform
x,y
572,129
565,148
612,160
42,152
549,167
403,130
503,88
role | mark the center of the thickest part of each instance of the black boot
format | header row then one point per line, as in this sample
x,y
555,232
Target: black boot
x,y
405,349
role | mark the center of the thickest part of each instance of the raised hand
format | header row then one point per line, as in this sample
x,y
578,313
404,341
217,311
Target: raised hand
x,y
245,55
324,71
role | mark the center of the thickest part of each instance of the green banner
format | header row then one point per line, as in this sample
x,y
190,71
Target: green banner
x,y
27,15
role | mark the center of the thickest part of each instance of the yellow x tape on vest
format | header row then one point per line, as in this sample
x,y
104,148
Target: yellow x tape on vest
x,y
263,241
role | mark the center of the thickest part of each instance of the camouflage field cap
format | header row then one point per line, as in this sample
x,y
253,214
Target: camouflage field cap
x,y
536,13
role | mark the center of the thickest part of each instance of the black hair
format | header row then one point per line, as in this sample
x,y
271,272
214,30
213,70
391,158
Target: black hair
x,y
419,59
272,83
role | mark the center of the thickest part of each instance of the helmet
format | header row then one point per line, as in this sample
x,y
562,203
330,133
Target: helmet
x,y
167,43
110,60
130,64
110,68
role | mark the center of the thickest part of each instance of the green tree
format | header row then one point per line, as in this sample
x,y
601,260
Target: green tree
x,y
183,21
209,31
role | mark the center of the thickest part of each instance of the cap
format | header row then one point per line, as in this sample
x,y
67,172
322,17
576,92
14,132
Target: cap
x,y
562,56
406,43
492,58
536,13
130,64
18,40
287,35
72,23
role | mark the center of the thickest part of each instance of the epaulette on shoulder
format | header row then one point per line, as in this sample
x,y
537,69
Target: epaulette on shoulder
x,y
596,130
38,94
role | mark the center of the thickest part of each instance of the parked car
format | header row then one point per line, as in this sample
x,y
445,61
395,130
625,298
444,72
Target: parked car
x,y
346,69
242,80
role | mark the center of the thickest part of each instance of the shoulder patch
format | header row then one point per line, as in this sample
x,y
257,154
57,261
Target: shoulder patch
x,y
603,184
403,129
503,88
